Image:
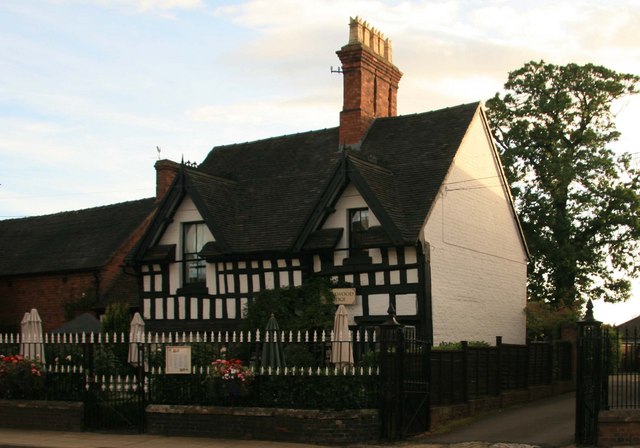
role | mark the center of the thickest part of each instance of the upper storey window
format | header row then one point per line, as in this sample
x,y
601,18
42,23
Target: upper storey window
x,y
358,225
194,267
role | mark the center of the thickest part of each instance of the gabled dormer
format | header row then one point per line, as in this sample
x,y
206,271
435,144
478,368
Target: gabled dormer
x,y
352,215
171,255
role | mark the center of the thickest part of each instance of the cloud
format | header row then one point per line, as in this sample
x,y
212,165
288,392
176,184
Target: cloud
x,y
153,5
98,95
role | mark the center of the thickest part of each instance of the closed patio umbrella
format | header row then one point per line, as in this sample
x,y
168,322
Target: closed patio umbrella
x,y
341,350
136,335
31,337
24,334
272,351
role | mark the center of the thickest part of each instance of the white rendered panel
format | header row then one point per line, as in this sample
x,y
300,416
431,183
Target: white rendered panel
x,y
412,276
255,279
231,308
146,283
182,308
244,284
364,279
378,304
284,279
268,280
146,308
158,306
406,305
193,308
231,288
393,257
297,278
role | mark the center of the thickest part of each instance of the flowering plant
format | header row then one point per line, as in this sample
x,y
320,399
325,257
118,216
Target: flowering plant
x,y
231,370
20,377
230,380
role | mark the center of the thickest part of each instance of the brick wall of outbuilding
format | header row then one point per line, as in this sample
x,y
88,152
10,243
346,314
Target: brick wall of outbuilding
x,y
46,293
49,292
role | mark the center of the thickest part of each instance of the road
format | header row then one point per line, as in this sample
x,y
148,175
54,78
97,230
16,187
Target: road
x,y
549,422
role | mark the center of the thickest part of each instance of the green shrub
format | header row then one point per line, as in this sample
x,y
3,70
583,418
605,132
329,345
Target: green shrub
x,y
116,319
298,355
306,307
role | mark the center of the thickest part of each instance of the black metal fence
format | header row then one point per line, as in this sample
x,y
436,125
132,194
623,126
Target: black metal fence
x,y
311,374
621,363
116,377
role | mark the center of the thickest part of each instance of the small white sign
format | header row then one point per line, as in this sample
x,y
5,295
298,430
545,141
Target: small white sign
x,y
178,360
344,296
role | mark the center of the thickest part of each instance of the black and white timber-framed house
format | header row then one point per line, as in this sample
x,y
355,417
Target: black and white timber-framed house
x,y
411,211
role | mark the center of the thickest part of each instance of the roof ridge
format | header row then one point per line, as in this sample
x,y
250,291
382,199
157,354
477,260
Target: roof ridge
x,y
435,111
213,177
68,212
277,137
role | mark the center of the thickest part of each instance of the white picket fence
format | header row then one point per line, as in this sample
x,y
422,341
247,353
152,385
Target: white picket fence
x,y
161,338
158,339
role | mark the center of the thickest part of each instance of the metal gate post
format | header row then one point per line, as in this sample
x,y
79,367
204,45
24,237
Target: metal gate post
x,y
589,378
391,365
140,379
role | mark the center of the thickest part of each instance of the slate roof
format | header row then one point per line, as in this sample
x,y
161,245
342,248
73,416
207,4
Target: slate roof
x,y
631,326
69,241
270,195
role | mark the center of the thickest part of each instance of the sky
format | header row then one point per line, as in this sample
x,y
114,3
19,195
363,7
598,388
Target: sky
x,y
90,89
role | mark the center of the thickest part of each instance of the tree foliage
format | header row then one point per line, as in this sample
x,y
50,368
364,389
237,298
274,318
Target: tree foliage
x,y
116,319
306,307
579,205
545,321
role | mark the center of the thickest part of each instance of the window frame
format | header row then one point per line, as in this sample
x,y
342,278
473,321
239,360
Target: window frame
x,y
355,239
192,257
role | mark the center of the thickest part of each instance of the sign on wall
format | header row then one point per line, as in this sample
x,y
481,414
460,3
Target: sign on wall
x,y
344,296
178,360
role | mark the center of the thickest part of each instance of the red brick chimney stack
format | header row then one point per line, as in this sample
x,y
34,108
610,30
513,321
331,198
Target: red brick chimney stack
x,y
370,81
166,171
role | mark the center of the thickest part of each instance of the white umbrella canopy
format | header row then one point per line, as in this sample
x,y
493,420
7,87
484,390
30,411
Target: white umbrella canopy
x,y
31,337
24,333
136,335
341,350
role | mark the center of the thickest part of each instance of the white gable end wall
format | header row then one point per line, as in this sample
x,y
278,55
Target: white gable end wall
x,y
478,261
186,212
350,199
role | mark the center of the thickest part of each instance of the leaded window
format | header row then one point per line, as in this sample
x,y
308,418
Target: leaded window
x,y
194,267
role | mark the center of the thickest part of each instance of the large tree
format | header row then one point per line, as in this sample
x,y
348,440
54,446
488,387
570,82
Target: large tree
x,y
579,204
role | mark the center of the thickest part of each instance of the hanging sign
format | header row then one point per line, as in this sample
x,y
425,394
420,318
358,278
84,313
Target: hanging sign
x,y
344,296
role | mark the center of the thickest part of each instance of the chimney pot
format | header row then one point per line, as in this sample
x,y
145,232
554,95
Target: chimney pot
x,y
370,81
166,172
